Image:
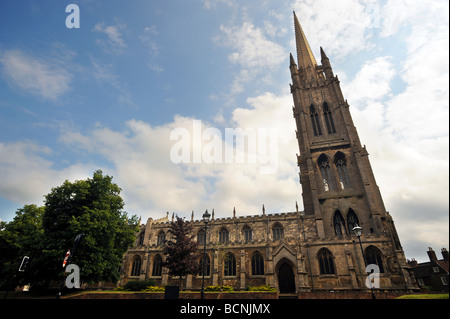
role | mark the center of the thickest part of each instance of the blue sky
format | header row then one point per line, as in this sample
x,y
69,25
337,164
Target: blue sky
x,y
108,95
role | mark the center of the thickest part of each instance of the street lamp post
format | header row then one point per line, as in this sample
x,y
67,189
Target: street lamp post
x,y
358,232
205,217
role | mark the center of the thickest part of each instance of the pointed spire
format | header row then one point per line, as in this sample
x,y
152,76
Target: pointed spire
x,y
234,212
292,60
212,215
264,210
305,57
192,216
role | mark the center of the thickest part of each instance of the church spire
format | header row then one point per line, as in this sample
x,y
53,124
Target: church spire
x,y
305,57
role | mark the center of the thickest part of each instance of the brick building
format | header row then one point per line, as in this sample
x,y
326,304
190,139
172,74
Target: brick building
x,y
299,251
432,275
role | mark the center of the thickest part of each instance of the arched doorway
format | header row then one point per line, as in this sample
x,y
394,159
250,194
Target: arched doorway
x,y
286,279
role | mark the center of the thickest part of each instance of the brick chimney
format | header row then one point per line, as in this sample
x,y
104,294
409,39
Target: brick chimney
x,y
444,253
431,254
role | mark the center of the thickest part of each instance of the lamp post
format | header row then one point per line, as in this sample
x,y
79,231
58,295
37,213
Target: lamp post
x,y
358,232
205,218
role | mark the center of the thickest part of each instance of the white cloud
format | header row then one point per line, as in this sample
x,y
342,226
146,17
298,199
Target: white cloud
x,y
152,184
114,43
43,77
27,175
373,81
340,27
406,131
252,52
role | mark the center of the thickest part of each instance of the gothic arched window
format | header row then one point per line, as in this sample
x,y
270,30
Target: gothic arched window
x,y
141,238
248,234
326,263
277,231
257,264
161,239
352,220
207,266
136,266
341,166
373,256
328,119
201,236
229,265
325,171
224,235
339,224
315,121
157,266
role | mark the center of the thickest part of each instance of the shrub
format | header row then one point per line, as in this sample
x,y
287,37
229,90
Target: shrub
x,y
217,288
261,288
138,285
154,289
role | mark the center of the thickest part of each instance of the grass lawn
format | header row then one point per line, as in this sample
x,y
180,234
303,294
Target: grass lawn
x,y
425,296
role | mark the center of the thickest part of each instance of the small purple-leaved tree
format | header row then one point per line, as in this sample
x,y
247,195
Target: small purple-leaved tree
x,y
181,250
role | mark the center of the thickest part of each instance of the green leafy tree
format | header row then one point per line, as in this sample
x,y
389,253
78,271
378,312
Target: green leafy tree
x,y
181,250
92,207
18,238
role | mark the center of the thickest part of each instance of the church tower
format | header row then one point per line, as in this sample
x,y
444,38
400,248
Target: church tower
x,y
338,184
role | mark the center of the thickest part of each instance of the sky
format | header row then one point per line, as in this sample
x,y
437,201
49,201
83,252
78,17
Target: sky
x,y
146,90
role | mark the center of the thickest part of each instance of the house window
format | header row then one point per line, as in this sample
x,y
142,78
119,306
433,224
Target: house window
x,y
224,236
277,231
248,234
229,265
326,263
157,266
328,119
136,267
420,282
315,121
444,281
207,266
339,224
324,167
341,166
257,264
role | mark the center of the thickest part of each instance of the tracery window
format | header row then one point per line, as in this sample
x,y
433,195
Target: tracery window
x,y
257,264
224,235
315,121
325,171
207,266
373,256
141,238
328,119
229,265
161,239
277,231
341,166
136,266
201,236
248,234
157,266
339,224
352,220
326,263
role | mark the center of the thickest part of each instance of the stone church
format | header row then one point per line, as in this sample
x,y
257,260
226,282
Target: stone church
x,y
298,251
